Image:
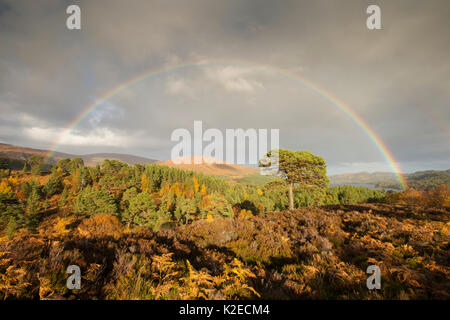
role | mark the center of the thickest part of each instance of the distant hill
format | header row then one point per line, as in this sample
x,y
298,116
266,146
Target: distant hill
x,y
376,178
213,167
428,179
97,158
418,180
24,153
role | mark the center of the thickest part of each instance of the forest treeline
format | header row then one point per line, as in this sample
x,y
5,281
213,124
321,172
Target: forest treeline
x,y
153,196
149,195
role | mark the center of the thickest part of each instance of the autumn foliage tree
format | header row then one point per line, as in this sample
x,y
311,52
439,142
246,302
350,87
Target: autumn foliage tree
x,y
297,167
145,183
101,225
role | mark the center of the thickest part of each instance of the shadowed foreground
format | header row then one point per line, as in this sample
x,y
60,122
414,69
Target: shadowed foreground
x,y
312,253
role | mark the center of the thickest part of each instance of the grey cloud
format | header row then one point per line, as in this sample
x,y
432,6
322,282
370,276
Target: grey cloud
x,y
396,79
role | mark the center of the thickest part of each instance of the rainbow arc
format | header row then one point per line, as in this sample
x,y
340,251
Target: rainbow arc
x,y
335,101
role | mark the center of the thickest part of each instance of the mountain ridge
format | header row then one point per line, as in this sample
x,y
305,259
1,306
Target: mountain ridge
x,y
419,179
24,153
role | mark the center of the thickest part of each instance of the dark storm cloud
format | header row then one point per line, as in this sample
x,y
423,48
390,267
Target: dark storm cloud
x,y
397,78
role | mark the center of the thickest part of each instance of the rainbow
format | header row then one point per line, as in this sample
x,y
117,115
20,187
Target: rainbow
x,y
377,142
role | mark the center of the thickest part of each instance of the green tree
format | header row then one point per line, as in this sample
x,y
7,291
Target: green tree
x,y
11,213
112,166
63,199
33,202
257,203
76,163
186,210
36,162
32,208
64,164
110,183
217,206
297,167
28,186
141,210
82,178
54,184
13,225
127,196
95,173
91,201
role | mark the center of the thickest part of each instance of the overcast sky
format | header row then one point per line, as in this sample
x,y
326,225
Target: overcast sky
x,y
397,79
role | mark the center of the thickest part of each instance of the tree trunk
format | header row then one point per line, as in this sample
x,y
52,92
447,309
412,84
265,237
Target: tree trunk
x,y
291,196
